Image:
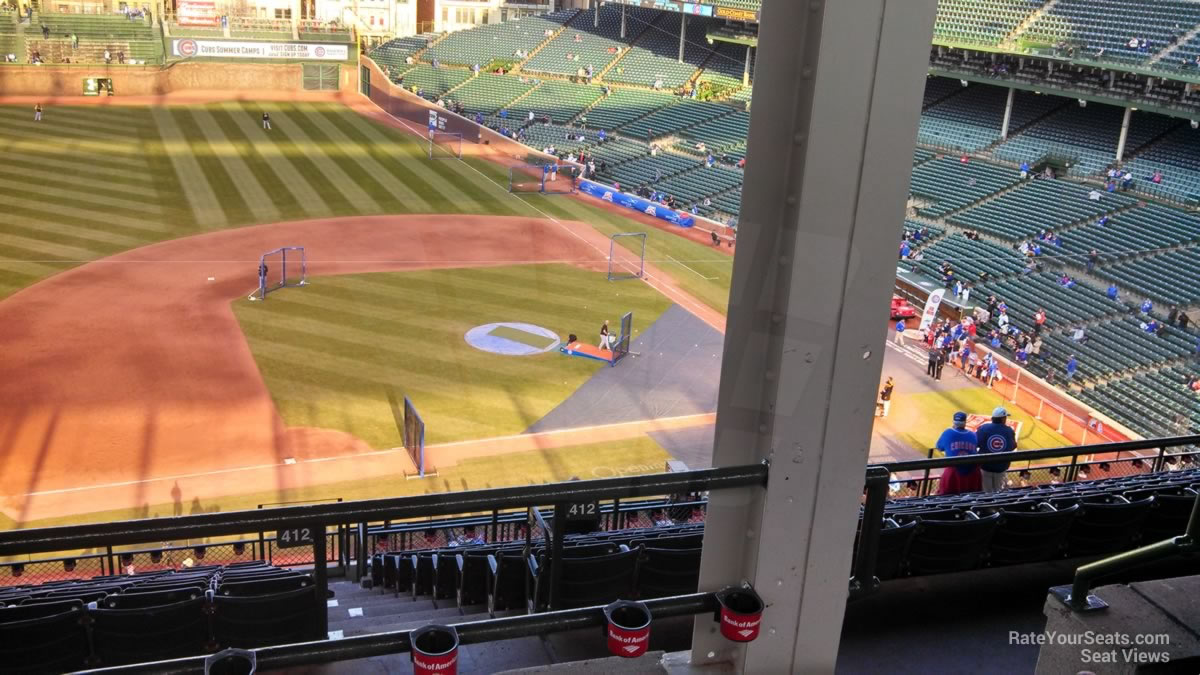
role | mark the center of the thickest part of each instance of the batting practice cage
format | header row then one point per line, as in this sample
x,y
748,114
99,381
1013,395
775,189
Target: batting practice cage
x,y
445,145
627,256
543,178
281,268
414,436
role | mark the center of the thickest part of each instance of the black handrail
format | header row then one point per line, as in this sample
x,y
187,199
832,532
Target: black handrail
x,y
15,542
397,642
864,580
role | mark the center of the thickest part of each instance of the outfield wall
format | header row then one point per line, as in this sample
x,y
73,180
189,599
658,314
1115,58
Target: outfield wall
x,y
251,78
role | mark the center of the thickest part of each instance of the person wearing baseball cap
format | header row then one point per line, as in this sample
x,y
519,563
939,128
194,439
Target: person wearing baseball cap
x,y
956,442
995,436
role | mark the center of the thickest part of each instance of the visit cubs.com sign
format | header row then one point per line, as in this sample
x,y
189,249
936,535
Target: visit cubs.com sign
x,y
231,49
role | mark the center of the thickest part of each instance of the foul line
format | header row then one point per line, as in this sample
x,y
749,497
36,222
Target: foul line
x,y
680,262
697,418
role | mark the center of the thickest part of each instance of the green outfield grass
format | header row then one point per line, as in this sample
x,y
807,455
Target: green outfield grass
x,y
331,351
599,460
928,414
88,182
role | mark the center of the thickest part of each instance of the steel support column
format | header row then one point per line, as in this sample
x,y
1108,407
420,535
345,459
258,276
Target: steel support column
x,y
622,22
746,68
595,13
1008,106
1124,134
836,106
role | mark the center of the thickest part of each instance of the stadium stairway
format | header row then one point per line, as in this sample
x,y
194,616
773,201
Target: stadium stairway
x,y
534,52
355,610
1010,40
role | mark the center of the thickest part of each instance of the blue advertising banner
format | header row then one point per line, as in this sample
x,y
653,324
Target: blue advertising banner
x,y
636,203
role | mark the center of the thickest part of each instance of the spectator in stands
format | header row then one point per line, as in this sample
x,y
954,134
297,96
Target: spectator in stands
x,y
1147,306
475,68
660,519
1066,281
654,150
1184,320
1039,319
408,60
107,56
994,437
1133,43
957,441
431,539
479,118
904,250
658,83
45,32
1193,384
436,63
1173,315
1157,178
1072,367
1112,292
468,537
1022,356
993,370
1126,180
1080,334
1002,321
1092,258
899,324
1095,195
1150,326
74,41
602,136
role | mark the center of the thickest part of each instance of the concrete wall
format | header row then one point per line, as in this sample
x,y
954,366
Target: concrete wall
x,y
67,80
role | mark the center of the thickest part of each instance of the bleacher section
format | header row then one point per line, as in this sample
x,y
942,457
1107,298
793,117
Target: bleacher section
x,y
1036,206
432,82
561,138
972,119
139,39
969,259
952,185
980,21
1177,155
1172,277
1117,348
596,47
722,136
560,101
654,57
10,42
1064,306
1152,404
726,66
496,41
394,52
1085,136
623,106
1110,24
129,618
1130,234
488,93
673,118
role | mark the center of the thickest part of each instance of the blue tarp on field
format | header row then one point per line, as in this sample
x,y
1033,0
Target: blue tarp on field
x,y
629,201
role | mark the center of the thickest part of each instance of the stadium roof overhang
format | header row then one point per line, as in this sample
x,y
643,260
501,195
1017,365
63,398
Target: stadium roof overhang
x,y
735,37
699,8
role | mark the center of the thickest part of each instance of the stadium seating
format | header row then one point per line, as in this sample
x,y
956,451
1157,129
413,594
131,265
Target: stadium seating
x,y
674,118
722,135
1109,25
972,119
725,67
1119,347
123,619
139,39
560,101
394,53
1064,306
952,185
500,41
596,46
1156,403
980,21
654,57
10,42
969,259
432,82
1172,277
1085,136
488,93
1130,235
650,171
1177,156
623,106
561,138
1038,205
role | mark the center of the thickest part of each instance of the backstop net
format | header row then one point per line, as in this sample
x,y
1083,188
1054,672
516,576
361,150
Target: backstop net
x,y
281,268
414,436
627,256
445,145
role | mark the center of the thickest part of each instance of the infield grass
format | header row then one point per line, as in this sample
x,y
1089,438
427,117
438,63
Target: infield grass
x,y
331,351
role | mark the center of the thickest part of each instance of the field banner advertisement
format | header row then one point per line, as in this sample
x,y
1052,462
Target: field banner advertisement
x,y
232,49
198,13
931,307
647,207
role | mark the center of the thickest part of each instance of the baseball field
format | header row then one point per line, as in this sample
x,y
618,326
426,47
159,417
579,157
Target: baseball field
x,y
141,380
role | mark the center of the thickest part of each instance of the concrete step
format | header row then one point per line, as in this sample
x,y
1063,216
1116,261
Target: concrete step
x,y
384,624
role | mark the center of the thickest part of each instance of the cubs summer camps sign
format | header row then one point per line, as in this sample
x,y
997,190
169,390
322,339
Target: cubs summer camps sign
x,y
232,49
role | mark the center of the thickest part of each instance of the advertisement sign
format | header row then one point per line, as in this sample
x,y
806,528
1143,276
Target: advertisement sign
x,y
737,14
629,201
931,307
198,13
433,120
232,49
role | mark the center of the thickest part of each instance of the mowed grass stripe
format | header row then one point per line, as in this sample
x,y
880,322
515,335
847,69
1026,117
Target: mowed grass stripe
x,y
54,191
58,126
402,196
37,248
114,119
80,212
107,154
34,213
336,184
462,182
200,196
66,233
253,195
292,193
394,153
66,174
229,197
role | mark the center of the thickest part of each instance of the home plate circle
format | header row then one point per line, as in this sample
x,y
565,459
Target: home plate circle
x,y
512,338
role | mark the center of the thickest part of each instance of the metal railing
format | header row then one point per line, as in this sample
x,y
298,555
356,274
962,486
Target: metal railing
x,y
353,516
